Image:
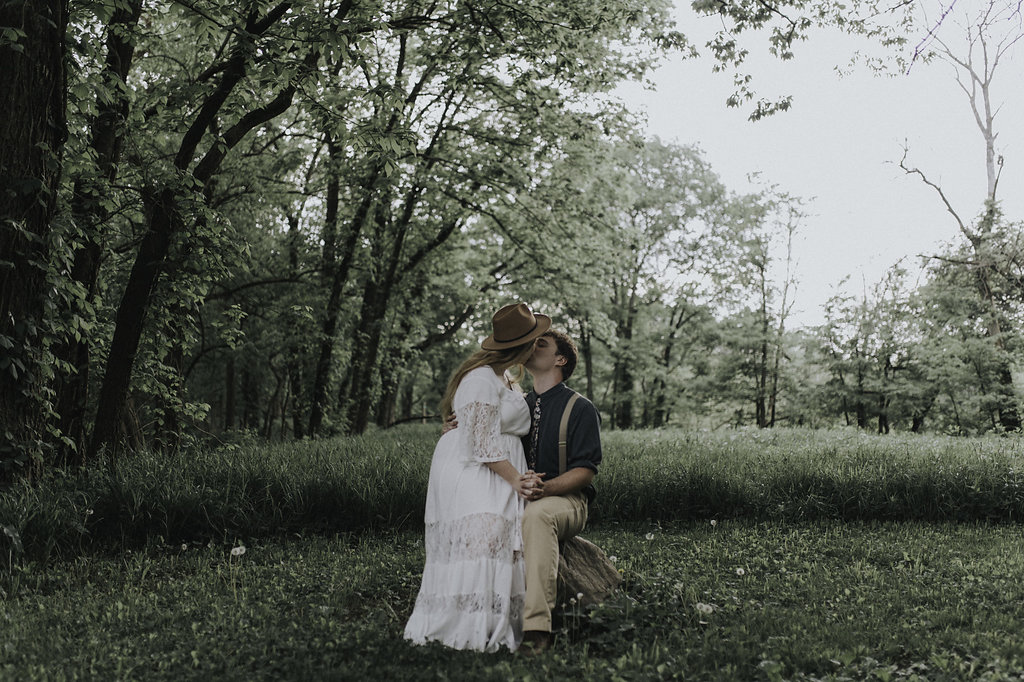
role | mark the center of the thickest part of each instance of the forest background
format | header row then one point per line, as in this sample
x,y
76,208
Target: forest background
x,y
294,219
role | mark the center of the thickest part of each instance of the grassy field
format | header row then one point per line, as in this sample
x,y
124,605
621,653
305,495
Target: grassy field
x,y
738,600
746,555
378,482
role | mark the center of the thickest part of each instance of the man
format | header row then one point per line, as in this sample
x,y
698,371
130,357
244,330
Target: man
x,y
557,504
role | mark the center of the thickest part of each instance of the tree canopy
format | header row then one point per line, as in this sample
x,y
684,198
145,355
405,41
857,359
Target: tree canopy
x,y
293,219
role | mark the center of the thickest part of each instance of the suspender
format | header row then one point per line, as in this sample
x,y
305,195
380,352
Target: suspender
x,y
563,432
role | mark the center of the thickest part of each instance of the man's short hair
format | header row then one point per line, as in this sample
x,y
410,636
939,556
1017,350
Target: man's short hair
x,y
567,349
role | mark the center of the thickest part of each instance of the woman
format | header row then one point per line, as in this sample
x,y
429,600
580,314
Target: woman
x,y
473,584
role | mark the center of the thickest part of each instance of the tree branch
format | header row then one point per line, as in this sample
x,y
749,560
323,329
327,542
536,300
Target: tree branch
x,y
942,195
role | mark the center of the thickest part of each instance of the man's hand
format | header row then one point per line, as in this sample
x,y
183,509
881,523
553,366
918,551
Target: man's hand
x,y
532,486
450,423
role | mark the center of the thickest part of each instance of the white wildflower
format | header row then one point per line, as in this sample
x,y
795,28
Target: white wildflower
x,y
714,523
184,547
650,536
613,558
740,571
706,609
579,595
238,551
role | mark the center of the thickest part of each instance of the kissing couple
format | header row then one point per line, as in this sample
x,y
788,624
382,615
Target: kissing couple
x,y
501,495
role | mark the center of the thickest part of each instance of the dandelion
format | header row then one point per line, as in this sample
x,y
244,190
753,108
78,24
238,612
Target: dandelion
x,y
579,595
740,571
238,551
89,512
572,600
714,522
613,558
184,547
706,609
650,536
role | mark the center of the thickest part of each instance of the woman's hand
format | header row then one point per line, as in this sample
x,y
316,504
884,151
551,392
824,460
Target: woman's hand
x,y
450,424
531,486
521,486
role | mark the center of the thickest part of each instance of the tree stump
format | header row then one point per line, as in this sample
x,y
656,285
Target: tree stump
x,y
584,568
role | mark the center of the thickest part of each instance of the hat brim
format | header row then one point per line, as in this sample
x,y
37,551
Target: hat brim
x,y
543,324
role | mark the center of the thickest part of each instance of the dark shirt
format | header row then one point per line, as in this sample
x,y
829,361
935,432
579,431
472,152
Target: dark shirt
x,y
583,440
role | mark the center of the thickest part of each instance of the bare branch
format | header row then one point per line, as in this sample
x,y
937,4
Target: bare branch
x,y
942,195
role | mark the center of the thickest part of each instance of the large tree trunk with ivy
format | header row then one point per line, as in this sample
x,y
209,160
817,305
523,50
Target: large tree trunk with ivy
x,y
32,134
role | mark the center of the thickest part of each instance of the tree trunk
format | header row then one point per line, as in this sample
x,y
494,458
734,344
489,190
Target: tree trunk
x,y
862,413
883,416
338,277
376,299
659,413
387,405
250,400
229,393
587,353
274,406
622,374
773,391
622,385
167,437
89,212
32,134
1009,416
761,379
407,396
130,319
164,220
883,398
368,337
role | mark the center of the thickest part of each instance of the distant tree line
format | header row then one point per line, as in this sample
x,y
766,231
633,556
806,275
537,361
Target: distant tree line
x,y
292,219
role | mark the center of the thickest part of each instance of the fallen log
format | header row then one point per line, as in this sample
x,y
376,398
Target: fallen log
x,y
584,569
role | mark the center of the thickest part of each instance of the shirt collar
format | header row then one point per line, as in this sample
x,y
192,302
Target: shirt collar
x,y
557,388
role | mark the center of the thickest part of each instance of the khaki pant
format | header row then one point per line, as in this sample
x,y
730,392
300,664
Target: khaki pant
x,y
545,523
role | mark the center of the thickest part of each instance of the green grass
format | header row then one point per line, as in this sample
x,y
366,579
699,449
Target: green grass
x,y
806,475
787,600
834,555
378,481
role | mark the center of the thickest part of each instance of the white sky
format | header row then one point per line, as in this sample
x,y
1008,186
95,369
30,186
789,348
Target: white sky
x,y
840,145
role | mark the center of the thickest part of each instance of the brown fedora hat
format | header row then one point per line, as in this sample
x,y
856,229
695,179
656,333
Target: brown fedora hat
x,y
514,325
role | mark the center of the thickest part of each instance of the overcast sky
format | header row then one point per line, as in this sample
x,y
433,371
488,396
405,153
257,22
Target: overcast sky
x,y
839,145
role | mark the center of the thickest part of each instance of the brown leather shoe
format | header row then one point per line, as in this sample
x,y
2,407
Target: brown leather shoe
x,y
536,642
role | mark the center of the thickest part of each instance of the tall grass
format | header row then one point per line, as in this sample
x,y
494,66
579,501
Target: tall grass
x,y
340,485
379,481
808,475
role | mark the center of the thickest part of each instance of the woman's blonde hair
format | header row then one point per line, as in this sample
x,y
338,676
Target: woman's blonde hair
x,y
507,358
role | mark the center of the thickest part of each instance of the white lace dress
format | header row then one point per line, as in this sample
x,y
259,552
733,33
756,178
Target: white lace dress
x,y
474,582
